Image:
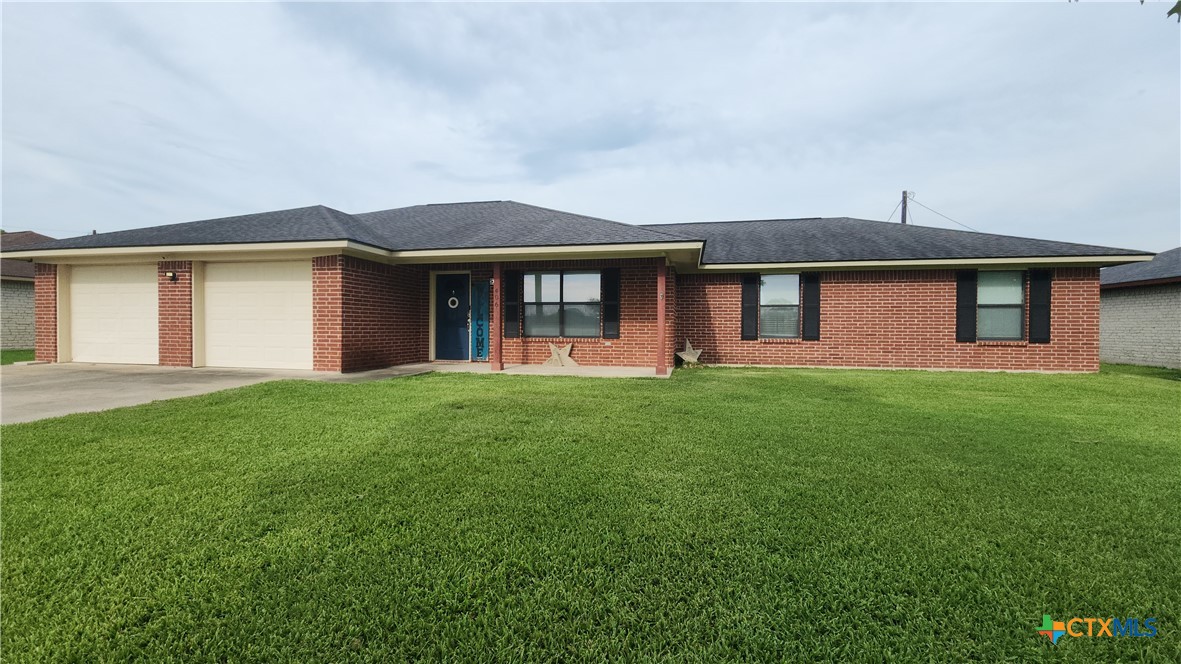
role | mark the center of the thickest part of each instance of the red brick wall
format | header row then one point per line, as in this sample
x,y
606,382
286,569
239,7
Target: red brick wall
x,y
636,345
367,315
327,312
45,312
898,319
175,313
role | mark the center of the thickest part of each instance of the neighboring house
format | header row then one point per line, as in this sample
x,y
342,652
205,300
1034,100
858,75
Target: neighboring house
x,y
499,281
1140,312
16,291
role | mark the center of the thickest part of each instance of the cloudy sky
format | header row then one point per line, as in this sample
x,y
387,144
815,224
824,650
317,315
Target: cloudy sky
x,y
1056,120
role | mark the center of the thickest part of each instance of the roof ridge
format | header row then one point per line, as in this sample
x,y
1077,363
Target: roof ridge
x,y
890,223
350,226
587,216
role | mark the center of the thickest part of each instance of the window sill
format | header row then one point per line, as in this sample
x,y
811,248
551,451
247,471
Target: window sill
x,y
525,338
1002,342
780,340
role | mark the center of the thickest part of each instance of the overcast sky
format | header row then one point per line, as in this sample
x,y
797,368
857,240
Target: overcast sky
x,y
1054,120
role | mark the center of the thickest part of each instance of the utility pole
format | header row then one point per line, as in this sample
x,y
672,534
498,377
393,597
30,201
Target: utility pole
x,y
904,206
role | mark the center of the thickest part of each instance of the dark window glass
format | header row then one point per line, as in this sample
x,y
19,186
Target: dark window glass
x,y
1000,305
779,306
563,304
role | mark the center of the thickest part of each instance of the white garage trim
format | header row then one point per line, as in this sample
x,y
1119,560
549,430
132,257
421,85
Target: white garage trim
x,y
258,315
113,314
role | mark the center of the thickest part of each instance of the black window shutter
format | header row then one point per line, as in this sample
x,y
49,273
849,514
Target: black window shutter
x,y
610,282
750,306
811,302
1039,306
511,292
965,305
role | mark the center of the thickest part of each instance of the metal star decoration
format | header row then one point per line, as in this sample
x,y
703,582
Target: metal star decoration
x,y
560,357
689,355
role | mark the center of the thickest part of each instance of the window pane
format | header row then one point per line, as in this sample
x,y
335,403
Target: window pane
x,y
580,287
779,322
541,320
582,320
1000,288
779,289
999,322
542,287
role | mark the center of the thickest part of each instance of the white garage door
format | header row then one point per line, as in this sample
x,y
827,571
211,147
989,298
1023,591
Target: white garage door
x,y
113,314
258,315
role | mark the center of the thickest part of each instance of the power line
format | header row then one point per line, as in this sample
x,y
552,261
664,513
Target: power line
x,y
895,210
944,216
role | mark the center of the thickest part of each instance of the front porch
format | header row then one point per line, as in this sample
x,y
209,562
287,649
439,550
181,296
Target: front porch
x,y
614,317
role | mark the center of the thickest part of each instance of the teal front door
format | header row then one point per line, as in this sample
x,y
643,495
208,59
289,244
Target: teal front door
x,y
452,301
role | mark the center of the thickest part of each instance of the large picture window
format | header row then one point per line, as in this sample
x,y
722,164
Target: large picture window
x,y
562,304
779,306
1000,306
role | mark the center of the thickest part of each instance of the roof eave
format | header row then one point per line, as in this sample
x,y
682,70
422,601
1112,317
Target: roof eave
x,y
244,250
1160,281
1028,261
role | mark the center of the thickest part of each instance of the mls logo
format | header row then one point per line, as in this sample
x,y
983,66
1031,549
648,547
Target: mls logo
x,y
1052,629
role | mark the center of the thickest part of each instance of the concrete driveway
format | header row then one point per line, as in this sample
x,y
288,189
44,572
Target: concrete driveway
x,y
36,391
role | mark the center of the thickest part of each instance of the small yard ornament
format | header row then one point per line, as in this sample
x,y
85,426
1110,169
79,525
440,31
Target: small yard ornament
x,y
689,355
560,357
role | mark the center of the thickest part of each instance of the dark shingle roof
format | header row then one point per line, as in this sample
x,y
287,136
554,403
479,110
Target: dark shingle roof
x,y
510,224
499,224
8,241
443,226
845,239
1166,265
297,225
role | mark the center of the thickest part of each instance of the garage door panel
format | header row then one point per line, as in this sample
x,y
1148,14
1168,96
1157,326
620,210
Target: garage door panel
x,y
114,314
258,315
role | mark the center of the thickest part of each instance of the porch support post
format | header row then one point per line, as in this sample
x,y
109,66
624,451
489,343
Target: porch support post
x,y
661,282
496,360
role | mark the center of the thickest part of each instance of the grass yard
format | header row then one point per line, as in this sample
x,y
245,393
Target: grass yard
x,y
10,356
722,514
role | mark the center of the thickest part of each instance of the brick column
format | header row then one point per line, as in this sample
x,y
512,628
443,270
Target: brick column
x,y
175,312
496,357
327,313
661,349
45,312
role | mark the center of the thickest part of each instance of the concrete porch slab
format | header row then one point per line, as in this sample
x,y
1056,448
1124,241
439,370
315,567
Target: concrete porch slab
x,y
484,368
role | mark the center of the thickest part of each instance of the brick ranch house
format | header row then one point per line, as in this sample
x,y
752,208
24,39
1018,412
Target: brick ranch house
x,y
498,282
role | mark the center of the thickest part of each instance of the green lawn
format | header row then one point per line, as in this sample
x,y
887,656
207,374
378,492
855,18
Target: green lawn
x,y
10,356
722,514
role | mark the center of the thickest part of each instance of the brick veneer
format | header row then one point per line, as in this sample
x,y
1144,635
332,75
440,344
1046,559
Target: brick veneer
x,y
898,319
367,315
175,313
45,312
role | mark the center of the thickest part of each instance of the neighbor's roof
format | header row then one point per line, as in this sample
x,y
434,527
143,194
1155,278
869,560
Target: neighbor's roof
x,y
502,224
15,268
835,239
1165,267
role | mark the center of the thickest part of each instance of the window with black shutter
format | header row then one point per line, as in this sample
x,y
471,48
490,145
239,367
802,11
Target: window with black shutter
x,y
611,279
811,281
750,306
511,292
1040,282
